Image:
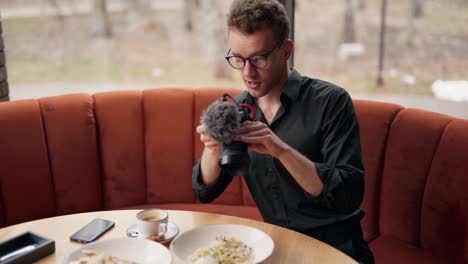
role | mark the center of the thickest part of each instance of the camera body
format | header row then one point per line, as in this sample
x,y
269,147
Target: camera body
x,y
234,156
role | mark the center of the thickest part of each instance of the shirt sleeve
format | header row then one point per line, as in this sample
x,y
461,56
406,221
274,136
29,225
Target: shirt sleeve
x,y
205,193
342,172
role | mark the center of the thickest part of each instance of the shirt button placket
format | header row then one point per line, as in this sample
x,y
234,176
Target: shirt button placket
x,y
275,190
273,186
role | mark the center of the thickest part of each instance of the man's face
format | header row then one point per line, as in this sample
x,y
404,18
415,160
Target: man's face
x,y
259,82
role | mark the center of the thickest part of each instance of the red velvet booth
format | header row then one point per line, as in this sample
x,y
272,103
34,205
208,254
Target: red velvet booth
x,y
78,153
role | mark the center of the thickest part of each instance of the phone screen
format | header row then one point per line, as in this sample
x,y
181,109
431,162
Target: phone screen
x,y
92,231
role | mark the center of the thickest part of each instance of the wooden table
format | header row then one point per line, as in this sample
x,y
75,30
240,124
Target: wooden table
x,y
290,246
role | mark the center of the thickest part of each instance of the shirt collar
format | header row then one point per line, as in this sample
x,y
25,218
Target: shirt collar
x,y
292,87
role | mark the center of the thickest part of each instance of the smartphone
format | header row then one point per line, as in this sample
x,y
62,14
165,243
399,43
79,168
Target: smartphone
x,y
92,231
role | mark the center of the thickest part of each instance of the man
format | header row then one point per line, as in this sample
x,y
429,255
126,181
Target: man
x,y
306,170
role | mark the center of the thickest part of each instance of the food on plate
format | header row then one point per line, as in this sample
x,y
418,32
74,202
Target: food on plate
x,y
95,258
224,251
206,260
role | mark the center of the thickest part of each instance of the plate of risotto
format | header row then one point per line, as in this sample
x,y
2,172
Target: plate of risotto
x,y
222,244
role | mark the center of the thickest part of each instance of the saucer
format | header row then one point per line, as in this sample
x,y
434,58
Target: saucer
x,y
171,233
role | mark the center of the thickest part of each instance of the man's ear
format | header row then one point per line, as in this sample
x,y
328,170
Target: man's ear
x,y
288,48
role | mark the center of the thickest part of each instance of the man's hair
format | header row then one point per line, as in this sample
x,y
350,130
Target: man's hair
x,y
249,16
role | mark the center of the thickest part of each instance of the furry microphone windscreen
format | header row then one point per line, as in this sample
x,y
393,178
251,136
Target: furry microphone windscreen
x,y
222,121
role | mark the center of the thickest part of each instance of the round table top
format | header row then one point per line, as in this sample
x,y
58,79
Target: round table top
x,y
290,246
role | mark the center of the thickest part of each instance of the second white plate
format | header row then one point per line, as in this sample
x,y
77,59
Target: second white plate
x,y
187,243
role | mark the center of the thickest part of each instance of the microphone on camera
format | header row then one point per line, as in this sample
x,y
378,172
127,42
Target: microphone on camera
x,y
222,121
222,118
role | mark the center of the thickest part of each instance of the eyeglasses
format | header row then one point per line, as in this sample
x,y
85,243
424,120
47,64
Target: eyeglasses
x,y
258,61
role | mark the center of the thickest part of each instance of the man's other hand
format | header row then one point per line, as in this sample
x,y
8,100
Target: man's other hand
x,y
208,141
261,139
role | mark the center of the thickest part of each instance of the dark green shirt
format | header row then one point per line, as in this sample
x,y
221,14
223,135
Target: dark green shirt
x,y
317,119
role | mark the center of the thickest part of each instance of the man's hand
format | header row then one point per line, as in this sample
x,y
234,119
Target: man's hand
x,y
209,161
261,139
209,142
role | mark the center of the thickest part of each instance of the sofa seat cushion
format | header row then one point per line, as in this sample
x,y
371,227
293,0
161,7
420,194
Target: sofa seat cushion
x,y
387,249
249,212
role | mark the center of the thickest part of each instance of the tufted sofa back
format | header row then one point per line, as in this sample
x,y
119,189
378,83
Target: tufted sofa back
x,y
77,153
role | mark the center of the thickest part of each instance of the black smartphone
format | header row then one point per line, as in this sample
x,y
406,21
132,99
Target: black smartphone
x,y
92,231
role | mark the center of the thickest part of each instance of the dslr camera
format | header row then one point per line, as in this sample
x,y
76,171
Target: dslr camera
x,y
234,156
222,121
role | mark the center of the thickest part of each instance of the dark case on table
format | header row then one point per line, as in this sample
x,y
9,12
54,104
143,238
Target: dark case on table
x,y
43,247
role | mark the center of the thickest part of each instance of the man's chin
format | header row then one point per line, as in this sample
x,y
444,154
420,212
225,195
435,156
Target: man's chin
x,y
256,93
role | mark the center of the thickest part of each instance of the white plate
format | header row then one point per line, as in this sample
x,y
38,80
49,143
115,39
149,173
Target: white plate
x,y
187,243
138,250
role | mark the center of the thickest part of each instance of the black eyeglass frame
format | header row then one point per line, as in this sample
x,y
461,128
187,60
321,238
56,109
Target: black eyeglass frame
x,y
263,55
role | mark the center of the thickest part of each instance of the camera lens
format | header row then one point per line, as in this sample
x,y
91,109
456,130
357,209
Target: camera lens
x,y
235,158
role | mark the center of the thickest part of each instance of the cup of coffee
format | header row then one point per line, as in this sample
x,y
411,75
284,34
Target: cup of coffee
x,y
152,222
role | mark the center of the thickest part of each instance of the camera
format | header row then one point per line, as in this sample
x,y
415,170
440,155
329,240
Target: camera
x,y
222,121
234,157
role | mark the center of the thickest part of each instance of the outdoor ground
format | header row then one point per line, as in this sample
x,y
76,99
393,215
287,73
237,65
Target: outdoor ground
x,y
159,52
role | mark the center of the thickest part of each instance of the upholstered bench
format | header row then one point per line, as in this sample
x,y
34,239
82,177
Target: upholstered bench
x,y
77,153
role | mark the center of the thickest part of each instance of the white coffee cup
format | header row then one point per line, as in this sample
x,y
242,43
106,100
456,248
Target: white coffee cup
x,y
152,222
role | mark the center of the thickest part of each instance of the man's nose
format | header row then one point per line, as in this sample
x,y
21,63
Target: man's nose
x,y
249,69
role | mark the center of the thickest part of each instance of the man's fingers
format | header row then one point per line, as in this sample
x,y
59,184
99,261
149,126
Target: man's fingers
x,y
255,133
205,138
208,141
251,127
200,129
211,144
254,140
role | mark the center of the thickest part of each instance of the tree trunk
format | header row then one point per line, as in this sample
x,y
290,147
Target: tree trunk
x,y
411,29
189,10
349,35
361,4
56,5
214,21
138,10
4,91
290,6
417,8
102,19
383,25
